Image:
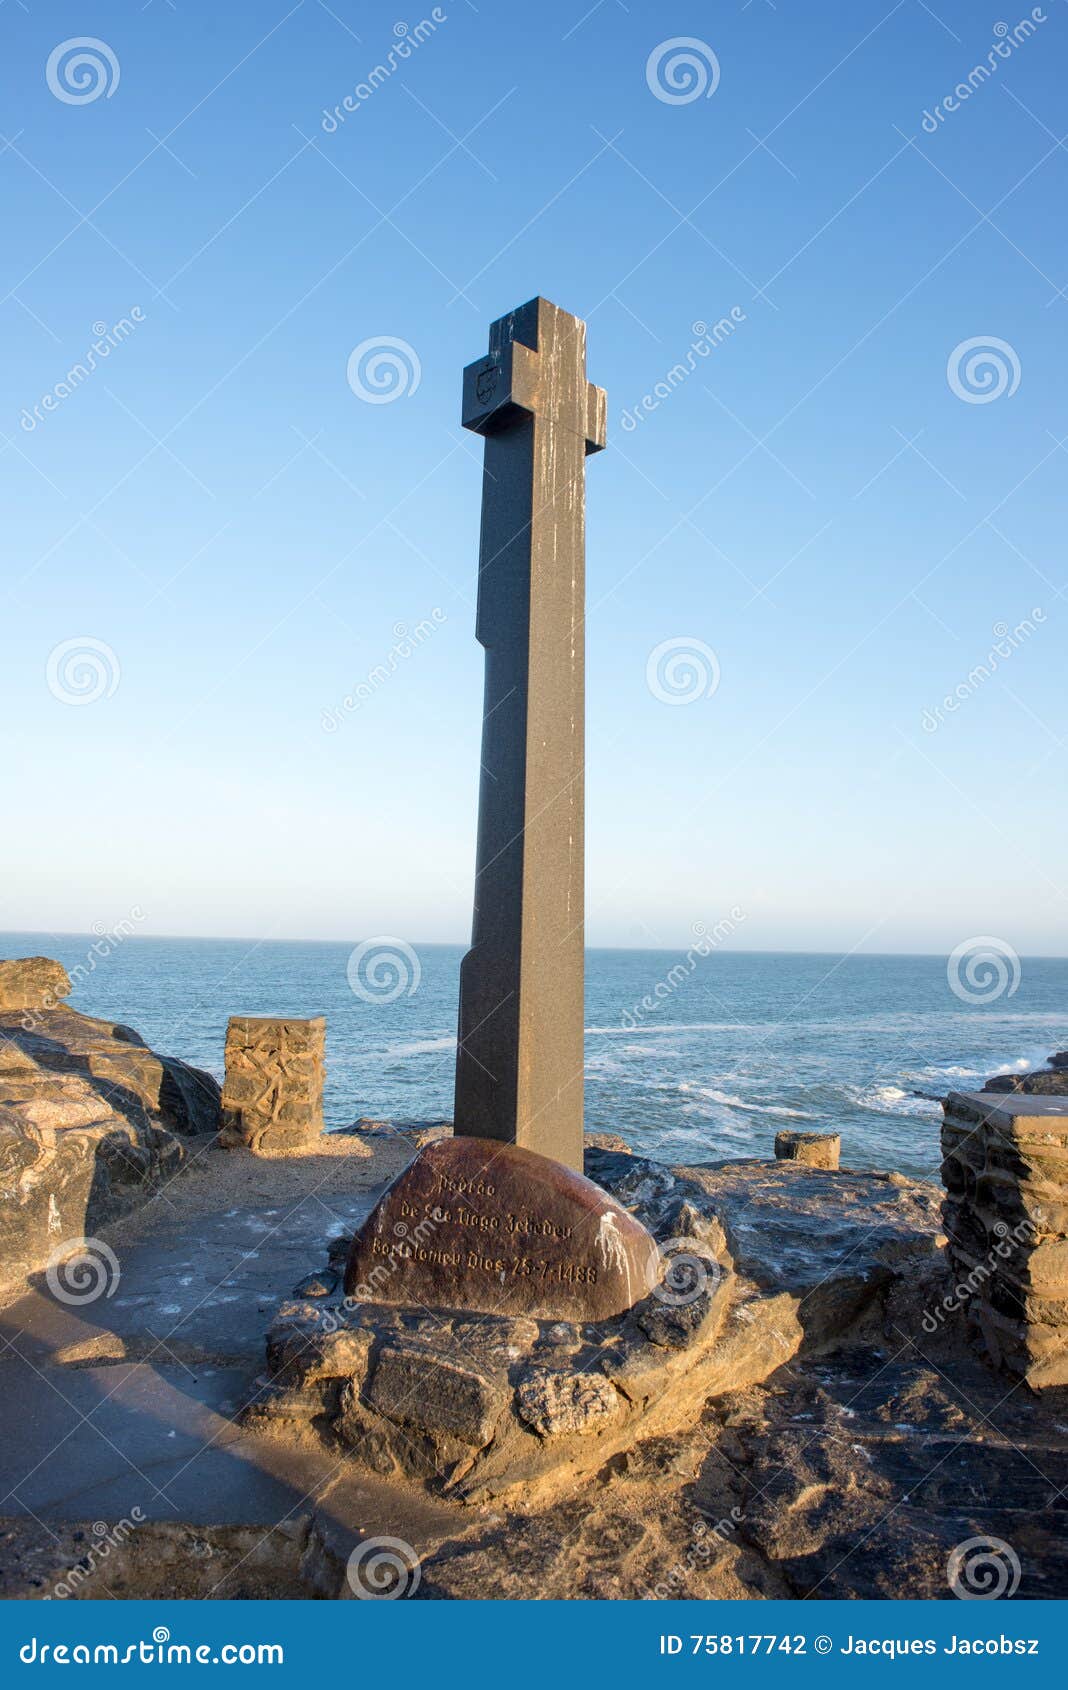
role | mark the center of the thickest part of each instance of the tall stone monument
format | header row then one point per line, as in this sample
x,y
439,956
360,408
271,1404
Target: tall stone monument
x,y
499,1219
519,1066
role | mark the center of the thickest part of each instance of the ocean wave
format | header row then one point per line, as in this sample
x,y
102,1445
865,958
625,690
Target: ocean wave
x,y
891,1100
728,1100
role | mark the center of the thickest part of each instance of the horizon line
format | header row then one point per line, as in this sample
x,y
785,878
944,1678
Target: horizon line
x,y
464,944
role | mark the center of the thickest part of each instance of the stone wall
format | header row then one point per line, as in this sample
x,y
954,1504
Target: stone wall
x,y
273,1091
1005,1170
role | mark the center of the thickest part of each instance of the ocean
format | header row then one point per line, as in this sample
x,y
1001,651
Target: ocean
x,y
689,1058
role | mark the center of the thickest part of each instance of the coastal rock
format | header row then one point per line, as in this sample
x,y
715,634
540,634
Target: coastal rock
x,y
33,982
756,1262
117,1064
91,1121
1043,1082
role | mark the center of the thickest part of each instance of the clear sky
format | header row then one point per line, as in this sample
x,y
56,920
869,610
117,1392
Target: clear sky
x,y
834,501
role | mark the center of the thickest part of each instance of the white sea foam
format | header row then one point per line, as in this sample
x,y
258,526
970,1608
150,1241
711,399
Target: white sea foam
x,y
892,1100
420,1047
729,1101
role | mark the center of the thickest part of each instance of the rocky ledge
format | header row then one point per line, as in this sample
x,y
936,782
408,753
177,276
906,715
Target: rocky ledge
x,y
1043,1082
91,1119
762,1260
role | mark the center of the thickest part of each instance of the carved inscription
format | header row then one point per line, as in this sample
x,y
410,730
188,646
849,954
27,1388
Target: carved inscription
x,y
492,1227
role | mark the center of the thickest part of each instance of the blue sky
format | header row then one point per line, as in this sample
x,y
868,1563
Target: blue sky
x,y
237,533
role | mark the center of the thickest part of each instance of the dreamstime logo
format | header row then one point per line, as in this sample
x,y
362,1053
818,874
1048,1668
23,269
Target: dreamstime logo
x,y
1006,641
983,969
105,341
680,972
406,643
382,369
1004,45
983,1569
83,1270
681,70
677,1274
79,71
682,670
383,969
383,1569
707,338
406,39
82,670
980,370
107,1539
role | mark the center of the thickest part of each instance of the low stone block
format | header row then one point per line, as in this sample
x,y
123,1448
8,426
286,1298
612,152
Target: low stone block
x,y
813,1150
273,1091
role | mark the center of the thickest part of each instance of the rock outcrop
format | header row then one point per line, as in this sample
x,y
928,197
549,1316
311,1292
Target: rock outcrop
x,y
761,1261
32,982
1043,1082
91,1120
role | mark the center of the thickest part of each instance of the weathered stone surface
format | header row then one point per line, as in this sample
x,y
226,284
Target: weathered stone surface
x,y
322,1284
273,1092
1005,1168
437,1389
677,1321
117,1064
821,1253
471,1224
519,1061
33,982
831,1242
91,1121
552,1403
814,1150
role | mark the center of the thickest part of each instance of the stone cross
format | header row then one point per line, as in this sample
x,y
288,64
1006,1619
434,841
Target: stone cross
x,y
519,1068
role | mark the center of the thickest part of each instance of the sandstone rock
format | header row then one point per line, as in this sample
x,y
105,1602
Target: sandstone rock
x,y
91,1122
552,1403
273,1092
813,1150
118,1065
305,1347
606,1141
33,982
